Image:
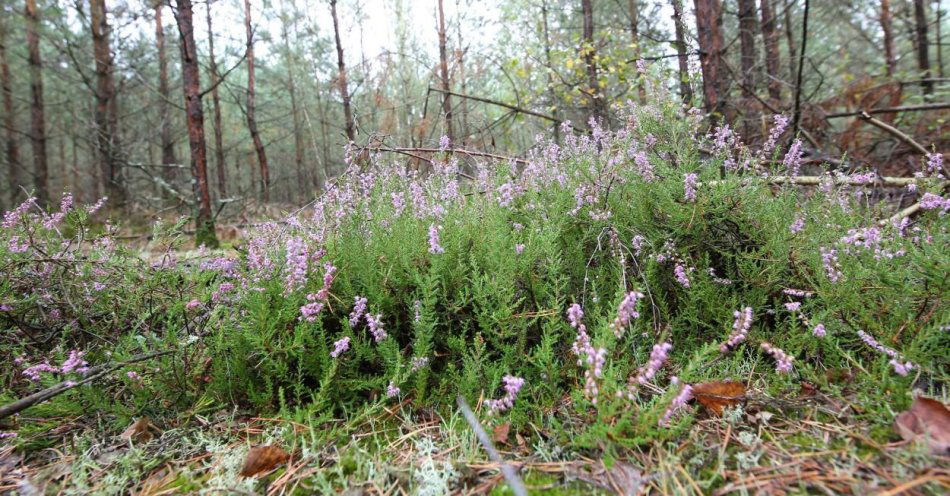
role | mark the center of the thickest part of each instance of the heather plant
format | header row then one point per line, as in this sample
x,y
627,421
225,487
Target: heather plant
x,y
595,280
455,280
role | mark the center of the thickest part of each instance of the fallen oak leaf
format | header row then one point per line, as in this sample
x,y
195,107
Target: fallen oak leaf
x,y
717,395
263,459
500,433
140,431
927,420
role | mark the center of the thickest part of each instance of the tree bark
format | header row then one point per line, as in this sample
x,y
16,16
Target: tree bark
x,y
11,148
191,84
597,103
709,35
341,77
938,13
167,144
635,43
251,120
770,41
220,163
550,70
686,91
105,112
923,49
747,28
790,38
444,71
886,23
294,110
37,114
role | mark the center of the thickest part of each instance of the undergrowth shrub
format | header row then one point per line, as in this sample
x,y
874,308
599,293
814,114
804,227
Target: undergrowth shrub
x,y
608,273
468,272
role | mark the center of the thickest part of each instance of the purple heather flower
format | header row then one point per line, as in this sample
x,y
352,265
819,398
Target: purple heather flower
x,y
819,331
392,390
935,164
375,324
18,246
98,205
793,306
340,347
74,363
641,66
740,329
799,293
829,259
637,244
444,143
193,304
722,135
657,357
12,217
901,369
519,248
296,268
680,273
778,127
626,312
399,203
133,375
417,309
359,308
310,311
797,226
419,362
689,186
644,167
434,247
33,372
678,402
793,158
931,201
7,435
512,386
783,361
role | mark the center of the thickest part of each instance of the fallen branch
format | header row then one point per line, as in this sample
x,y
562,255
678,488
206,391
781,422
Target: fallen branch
x,y
894,182
409,150
893,131
92,374
892,110
505,105
514,482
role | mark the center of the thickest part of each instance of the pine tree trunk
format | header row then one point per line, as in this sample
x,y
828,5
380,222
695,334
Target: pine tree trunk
x,y
686,91
191,84
552,96
939,13
444,71
597,104
886,23
772,58
167,144
37,115
219,161
105,113
790,39
709,35
748,25
341,76
923,49
11,147
635,42
251,120
294,110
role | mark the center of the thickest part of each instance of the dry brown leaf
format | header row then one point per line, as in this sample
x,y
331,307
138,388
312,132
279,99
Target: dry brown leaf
x,y
263,459
500,433
717,395
927,420
140,431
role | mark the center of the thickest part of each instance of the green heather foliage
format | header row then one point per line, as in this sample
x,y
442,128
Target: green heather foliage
x,y
471,271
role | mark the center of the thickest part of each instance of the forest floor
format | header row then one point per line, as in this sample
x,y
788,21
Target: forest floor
x,y
807,442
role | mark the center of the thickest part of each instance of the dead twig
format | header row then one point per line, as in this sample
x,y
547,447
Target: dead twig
x,y
514,482
92,374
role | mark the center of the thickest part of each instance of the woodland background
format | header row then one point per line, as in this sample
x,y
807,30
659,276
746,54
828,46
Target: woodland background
x,y
194,106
